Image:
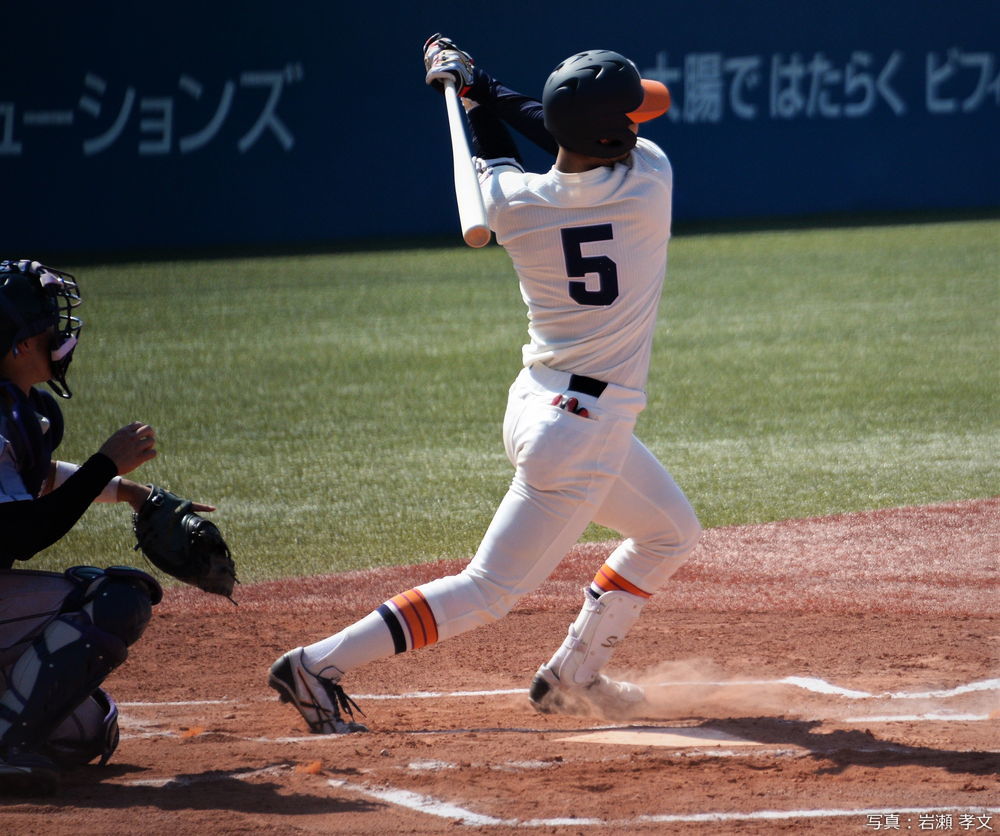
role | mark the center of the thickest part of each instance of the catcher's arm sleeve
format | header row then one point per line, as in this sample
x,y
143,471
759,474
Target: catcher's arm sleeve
x,y
62,472
34,524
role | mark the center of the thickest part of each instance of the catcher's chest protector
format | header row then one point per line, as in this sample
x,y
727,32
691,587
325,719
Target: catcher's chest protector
x,y
33,424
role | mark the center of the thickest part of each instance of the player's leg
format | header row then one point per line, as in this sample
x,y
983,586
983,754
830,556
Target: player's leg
x,y
89,733
565,465
30,602
661,531
102,613
507,566
660,527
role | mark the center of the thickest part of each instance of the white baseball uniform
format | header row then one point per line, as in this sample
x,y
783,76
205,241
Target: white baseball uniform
x,y
590,251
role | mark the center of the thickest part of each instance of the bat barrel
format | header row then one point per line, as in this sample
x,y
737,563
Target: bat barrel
x,y
471,212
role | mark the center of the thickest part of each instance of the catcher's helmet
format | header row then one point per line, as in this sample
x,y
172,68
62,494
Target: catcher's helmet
x,y
34,298
592,97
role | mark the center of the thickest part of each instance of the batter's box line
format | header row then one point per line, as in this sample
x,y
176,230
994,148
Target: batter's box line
x,y
414,695
813,684
821,686
457,814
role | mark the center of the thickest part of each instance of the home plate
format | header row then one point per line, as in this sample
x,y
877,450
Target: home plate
x,y
659,736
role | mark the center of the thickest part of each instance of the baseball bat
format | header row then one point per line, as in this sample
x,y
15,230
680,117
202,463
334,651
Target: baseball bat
x,y
471,212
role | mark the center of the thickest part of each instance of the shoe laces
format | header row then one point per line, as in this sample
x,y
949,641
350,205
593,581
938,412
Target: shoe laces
x,y
343,702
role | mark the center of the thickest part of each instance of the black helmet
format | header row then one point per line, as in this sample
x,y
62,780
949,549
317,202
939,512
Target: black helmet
x,y
592,97
34,298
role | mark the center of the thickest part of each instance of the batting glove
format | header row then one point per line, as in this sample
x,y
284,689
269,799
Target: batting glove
x,y
443,60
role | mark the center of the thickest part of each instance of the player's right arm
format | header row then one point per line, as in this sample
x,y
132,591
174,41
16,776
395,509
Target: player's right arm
x,y
30,525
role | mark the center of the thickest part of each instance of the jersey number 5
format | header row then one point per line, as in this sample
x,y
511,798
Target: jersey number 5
x,y
579,265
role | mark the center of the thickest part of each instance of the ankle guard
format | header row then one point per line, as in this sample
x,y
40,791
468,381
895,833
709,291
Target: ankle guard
x,y
592,638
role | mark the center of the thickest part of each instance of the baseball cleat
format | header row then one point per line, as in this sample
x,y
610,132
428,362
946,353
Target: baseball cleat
x,y
604,696
27,774
318,699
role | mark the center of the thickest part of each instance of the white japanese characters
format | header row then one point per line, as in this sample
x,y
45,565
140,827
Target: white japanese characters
x,y
708,86
165,125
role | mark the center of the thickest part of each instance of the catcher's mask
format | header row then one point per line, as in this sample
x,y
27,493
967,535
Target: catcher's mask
x,y
35,298
592,98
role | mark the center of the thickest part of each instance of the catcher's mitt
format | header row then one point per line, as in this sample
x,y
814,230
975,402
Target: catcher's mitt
x,y
184,544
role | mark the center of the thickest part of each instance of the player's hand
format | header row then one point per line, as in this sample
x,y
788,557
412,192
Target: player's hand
x,y
130,446
445,61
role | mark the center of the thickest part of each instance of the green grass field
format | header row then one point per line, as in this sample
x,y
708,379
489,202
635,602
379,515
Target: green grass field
x,y
344,410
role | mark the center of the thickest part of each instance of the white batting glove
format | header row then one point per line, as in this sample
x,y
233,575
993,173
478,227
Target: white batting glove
x,y
443,61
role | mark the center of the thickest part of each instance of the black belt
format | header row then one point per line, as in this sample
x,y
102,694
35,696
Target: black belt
x,y
586,385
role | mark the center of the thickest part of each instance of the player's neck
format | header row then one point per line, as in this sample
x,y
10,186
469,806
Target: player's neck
x,y
569,162
16,375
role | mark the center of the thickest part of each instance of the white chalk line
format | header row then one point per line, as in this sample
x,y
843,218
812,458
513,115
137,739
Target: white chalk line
x,y
437,695
806,683
930,717
821,686
138,730
455,813
174,702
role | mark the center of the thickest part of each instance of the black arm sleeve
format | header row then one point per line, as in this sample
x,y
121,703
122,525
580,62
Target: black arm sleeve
x,y
31,525
521,112
490,137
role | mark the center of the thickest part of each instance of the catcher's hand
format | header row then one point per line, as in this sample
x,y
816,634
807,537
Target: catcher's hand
x,y
184,544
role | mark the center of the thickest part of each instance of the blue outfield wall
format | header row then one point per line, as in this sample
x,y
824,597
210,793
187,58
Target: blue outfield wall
x,y
139,125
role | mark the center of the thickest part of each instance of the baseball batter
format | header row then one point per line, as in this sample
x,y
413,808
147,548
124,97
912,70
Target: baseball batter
x,y
588,240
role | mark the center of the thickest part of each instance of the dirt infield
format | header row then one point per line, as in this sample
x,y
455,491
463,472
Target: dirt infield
x,y
834,675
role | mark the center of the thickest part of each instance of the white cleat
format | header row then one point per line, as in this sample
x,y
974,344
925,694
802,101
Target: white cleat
x,y
603,696
318,699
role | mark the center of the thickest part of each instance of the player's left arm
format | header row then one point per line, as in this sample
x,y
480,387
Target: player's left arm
x,y
490,138
444,59
522,113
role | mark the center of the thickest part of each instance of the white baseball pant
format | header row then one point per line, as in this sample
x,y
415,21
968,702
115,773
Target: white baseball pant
x,y
569,470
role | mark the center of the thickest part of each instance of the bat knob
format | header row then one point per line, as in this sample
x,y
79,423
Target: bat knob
x,y
477,236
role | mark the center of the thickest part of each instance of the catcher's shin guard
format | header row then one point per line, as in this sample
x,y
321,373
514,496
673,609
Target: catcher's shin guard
x,y
88,733
572,677
318,699
60,670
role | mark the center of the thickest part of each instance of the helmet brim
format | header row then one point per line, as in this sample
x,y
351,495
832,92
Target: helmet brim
x,y
655,101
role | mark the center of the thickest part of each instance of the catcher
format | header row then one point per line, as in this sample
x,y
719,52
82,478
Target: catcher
x,y
62,634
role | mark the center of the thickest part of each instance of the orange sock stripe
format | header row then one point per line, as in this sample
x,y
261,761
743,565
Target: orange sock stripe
x,y
419,619
411,619
403,613
607,580
427,620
